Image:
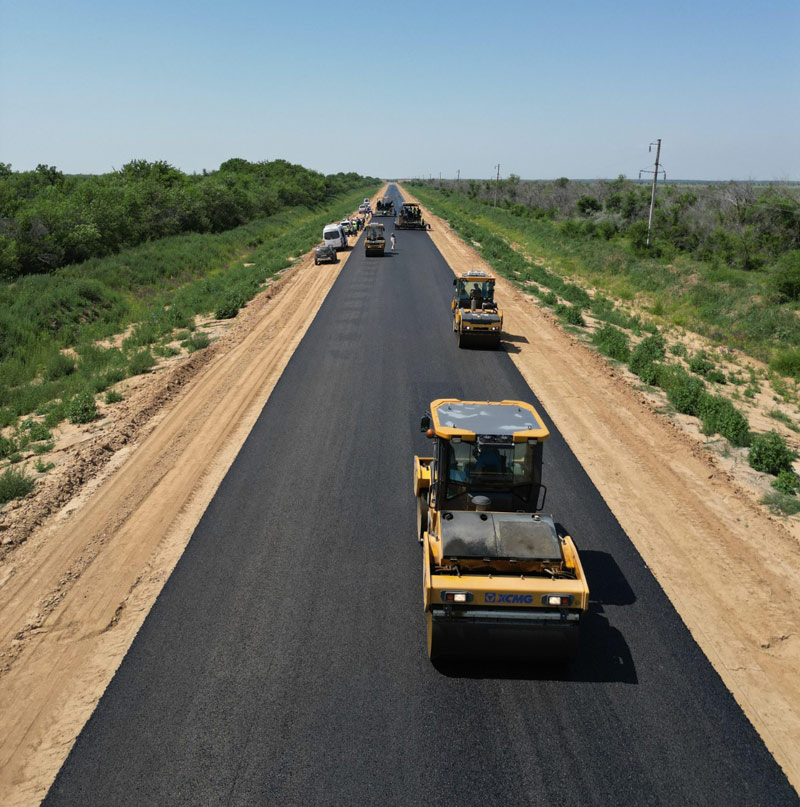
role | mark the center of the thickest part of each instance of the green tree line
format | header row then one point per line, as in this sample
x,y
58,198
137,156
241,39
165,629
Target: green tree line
x,y
49,219
743,225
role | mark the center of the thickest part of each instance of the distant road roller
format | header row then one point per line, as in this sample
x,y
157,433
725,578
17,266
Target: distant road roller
x,y
500,578
374,239
476,318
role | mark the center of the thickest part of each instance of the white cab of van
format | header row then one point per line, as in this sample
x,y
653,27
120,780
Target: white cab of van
x,y
333,234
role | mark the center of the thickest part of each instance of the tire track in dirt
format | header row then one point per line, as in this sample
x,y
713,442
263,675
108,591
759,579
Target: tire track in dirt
x,y
731,570
76,592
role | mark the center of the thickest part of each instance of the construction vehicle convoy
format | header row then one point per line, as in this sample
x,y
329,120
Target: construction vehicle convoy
x,y
384,207
500,578
410,218
374,239
476,318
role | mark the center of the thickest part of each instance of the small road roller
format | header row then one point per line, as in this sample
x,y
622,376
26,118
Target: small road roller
x,y
500,577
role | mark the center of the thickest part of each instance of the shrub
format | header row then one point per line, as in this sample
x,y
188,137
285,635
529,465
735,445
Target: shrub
x,y
612,341
43,448
549,298
141,362
37,431
781,503
14,484
82,408
787,362
7,446
716,376
588,205
649,351
700,365
677,349
42,466
59,366
7,417
570,314
113,397
196,342
720,416
770,454
786,275
786,482
684,392
230,305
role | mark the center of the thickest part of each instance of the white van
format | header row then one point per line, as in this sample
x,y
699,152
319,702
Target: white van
x,y
333,234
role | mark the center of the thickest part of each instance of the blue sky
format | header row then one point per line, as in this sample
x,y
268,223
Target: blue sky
x,y
563,88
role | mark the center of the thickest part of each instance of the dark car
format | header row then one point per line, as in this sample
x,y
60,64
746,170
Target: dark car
x,y
325,252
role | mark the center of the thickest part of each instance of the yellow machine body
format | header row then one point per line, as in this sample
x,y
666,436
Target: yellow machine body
x,y
499,577
374,239
477,320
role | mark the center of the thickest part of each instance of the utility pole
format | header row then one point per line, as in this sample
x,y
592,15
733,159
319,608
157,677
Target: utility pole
x,y
655,172
496,184
458,177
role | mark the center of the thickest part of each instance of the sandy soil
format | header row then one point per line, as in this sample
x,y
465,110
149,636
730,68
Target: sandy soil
x,y
86,555
730,568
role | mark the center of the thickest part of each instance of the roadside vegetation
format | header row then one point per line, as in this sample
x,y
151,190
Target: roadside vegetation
x,y
49,219
72,333
634,297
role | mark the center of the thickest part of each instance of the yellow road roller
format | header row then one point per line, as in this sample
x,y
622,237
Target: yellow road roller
x,y
500,577
476,318
374,239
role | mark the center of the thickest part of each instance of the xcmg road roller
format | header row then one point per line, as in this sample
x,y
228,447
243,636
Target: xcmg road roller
x,y
500,577
476,318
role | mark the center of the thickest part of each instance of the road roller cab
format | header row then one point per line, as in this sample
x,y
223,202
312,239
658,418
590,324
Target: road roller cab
x,y
374,239
500,578
476,318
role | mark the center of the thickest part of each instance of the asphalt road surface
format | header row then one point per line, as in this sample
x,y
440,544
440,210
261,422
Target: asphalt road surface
x,y
284,662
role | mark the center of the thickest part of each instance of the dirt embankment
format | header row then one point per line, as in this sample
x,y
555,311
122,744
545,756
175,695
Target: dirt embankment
x,y
731,570
104,533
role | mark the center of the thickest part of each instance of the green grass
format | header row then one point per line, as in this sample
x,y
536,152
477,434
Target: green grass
x,y
157,287
729,306
14,484
782,503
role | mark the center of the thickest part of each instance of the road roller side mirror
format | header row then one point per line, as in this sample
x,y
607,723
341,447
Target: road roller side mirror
x,y
425,423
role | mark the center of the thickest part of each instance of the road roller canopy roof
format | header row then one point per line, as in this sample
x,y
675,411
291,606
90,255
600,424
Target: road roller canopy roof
x,y
475,274
469,420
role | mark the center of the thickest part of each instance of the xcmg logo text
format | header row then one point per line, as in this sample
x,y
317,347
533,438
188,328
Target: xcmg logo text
x,y
508,599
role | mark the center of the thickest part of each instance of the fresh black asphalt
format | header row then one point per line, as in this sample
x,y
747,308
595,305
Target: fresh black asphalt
x,y
284,662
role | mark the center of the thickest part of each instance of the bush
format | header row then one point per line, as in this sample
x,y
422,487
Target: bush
x,y
770,454
113,397
196,342
786,275
43,448
14,485
43,467
588,205
59,366
684,392
787,362
141,362
37,431
613,342
549,298
720,416
82,408
700,365
230,306
781,503
649,351
7,446
787,482
570,314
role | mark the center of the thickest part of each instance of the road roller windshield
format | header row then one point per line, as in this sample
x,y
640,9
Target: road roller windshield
x,y
504,471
